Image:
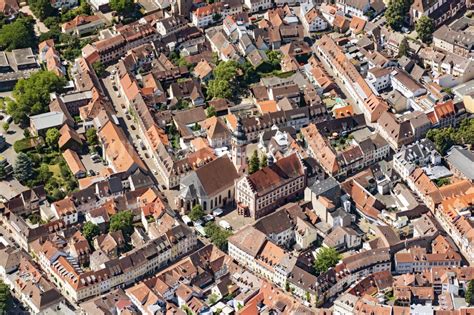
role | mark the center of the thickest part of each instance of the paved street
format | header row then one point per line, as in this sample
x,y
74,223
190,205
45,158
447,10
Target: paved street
x,y
130,127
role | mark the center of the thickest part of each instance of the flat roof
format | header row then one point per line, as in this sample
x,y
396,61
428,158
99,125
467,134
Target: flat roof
x,y
24,56
48,120
3,59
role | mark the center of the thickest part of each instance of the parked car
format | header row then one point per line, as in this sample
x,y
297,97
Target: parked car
x,y
208,217
225,225
187,220
217,212
95,157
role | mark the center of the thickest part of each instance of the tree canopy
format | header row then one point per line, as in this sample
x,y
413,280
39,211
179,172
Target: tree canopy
x,y
326,258
445,138
254,164
99,68
122,221
23,169
263,161
41,8
196,213
425,28
469,295
217,235
210,111
397,12
223,85
52,137
403,48
32,95
122,6
5,298
90,230
91,136
19,34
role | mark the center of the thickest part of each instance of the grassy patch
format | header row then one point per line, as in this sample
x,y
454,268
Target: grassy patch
x,y
28,144
56,170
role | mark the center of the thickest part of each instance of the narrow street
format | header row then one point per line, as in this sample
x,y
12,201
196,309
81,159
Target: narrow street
x,y
130,127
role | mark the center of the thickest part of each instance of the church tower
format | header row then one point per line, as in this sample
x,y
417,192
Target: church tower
x,y
239,147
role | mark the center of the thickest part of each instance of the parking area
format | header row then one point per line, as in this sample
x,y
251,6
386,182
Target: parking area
x,y
235,220
90,165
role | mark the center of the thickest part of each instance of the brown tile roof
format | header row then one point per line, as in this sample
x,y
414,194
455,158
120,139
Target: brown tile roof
x,y
74,162
217,175
80,20
270,177
215,128
202,69
67,133
65,207
120,152
249,240
357,24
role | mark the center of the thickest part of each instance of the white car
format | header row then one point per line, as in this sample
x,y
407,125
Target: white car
x,y
225,225
187,220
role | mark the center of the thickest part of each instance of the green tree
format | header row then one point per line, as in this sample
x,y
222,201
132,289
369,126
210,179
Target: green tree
x,y
44,174
219,89
263,161
403,48
3,19
90,230
52,137
122,6
442,138
465,132
3,171
19,34
226,70
254,164
274,57
41,8
326,258
396,13
217,235
52,22
196,213
91,137
5,298
99,68
469,295
211,111
23,170
6,126
32,95
425,28
122,221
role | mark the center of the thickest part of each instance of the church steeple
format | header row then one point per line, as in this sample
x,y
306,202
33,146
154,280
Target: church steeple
x,y
239,146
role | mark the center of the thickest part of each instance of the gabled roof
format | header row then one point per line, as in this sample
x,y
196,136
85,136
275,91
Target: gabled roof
x,y
276,174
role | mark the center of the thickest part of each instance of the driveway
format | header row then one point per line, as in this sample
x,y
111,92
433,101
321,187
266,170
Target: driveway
x,y
39,26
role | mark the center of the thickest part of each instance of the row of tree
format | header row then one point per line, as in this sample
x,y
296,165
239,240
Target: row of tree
x,y
397,14
257,163
445,138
